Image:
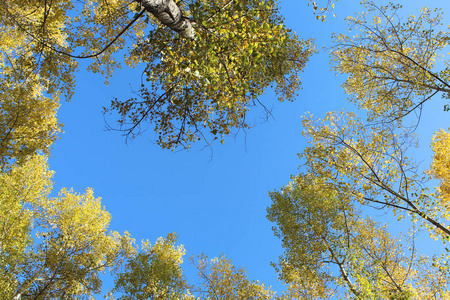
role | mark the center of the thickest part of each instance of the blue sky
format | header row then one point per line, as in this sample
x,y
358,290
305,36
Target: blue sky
x,y
215,201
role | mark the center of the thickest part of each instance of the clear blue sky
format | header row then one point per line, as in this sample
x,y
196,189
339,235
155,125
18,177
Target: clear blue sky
x,y
215,205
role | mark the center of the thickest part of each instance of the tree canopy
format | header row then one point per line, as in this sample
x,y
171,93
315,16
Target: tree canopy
x,y
353,166
205,63
195,87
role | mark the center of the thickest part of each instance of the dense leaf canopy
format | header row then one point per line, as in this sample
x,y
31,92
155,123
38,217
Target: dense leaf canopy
x,y
199,81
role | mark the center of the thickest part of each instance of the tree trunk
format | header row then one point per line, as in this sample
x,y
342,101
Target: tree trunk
x,y
169,14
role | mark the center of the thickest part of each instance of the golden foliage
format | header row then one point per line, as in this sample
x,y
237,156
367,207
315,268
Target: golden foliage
x,y
222,280
153,273
390,60
440,167
53,246
330,250
203,88
351,166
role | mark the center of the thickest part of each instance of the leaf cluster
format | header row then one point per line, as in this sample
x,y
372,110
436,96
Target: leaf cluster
x,y
204,87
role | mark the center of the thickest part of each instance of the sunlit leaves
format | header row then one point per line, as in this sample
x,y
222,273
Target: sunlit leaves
x,y
321,8
53,246
27,118
222,280
349,164
38,41
32,76
56,247
153,273
440,168
330,250
199,88
390,60
18,187
98,31
203,88
306,214
371,165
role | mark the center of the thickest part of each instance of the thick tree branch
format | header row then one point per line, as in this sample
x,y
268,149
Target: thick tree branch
x,y
169,14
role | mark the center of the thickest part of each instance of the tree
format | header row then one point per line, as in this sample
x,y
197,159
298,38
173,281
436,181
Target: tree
x,y
200,82
352,165
32,79
371,165
396,79
441,165
390,61
206,64
222,280
57,246
53,247
204,85
153,273
331,250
